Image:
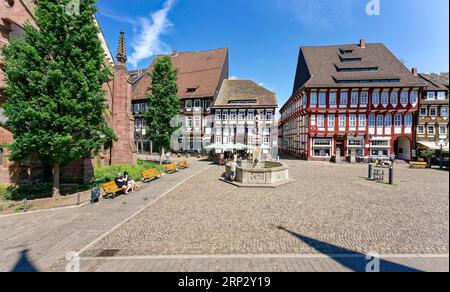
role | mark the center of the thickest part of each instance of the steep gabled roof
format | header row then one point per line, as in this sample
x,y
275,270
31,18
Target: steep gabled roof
x,y
200,74
244,94
328,66
436,81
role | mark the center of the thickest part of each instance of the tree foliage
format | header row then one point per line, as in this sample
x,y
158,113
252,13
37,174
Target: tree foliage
x,y
162,102
56,103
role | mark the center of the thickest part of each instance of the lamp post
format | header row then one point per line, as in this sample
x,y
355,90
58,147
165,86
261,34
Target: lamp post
x,y
369,157
441,144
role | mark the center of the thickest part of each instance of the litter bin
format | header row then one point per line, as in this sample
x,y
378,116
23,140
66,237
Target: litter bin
x,y
95,195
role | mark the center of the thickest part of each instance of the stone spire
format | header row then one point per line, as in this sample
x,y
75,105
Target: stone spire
x,y
122,51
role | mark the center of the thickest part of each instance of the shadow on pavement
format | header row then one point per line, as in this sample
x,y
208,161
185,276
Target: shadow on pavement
x,y
24,265
357,262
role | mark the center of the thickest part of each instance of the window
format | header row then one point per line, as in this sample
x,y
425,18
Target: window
x,y
385,98
380,143
342,121
313,99
225,116
421,130
362,121
423,111
364,97
431,130
219,139
444,112
188,104
431,96
331,123
269,116
357,69
414,97
441,95
197,122
218,116
136,108
189,122
398,120
207,104
358,81
404,97
197,104
355,142
333,98
433,112
191,90
322,98
320,121
443,130
352,120
241,116
408,120
251,116
354,98
266,140
388,121
380,121
233,116
344,98
371,120
394,98
376,98
322,142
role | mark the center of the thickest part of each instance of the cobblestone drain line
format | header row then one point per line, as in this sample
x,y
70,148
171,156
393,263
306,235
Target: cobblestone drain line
x,y
263,256
138,212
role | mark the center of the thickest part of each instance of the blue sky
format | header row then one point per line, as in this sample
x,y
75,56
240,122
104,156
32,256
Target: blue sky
x,y
264,36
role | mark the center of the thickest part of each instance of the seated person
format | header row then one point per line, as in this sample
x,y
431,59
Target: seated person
x,y
122,183
131,183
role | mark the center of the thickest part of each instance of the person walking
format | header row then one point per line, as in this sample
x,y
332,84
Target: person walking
x,y
233,169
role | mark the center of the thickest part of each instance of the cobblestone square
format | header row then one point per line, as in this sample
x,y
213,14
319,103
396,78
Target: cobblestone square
x,y
329,209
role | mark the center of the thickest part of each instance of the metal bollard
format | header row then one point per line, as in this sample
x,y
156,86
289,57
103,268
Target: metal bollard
x,y
370,171
25,205
391,174
78,199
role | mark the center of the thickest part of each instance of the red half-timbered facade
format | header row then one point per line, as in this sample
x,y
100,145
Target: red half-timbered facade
x,y
351,101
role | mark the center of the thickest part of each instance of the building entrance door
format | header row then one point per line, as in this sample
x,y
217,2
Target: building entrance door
x,y
340,147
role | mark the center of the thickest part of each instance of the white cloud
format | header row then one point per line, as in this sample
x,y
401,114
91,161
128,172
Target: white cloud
x,y
233,78
149,31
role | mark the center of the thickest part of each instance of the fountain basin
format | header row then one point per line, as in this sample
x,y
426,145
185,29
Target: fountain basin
x,y
265,174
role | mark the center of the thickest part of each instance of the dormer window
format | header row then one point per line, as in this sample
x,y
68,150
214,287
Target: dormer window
x,y
9,3
191,89
346,51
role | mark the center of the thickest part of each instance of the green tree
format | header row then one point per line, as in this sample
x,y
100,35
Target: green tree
x,y
56,103
163,103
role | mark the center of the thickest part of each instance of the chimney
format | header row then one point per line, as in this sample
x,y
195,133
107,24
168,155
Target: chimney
x,y
362,43
414,71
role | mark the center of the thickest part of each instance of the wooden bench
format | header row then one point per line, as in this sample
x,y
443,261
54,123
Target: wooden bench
x,y
418,164
171,168
111,189
183,164
150,174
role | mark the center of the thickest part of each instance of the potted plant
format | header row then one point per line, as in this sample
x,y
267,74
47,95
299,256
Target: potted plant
x,y
428,155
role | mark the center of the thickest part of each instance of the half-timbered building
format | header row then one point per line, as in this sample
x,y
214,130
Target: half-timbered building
x,y
354,100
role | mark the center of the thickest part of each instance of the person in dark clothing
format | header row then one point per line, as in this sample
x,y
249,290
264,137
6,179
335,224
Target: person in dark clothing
x,y
130,181
122,183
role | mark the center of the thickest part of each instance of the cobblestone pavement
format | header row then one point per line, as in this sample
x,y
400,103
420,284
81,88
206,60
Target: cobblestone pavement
x,y
330,209
41,240
275,263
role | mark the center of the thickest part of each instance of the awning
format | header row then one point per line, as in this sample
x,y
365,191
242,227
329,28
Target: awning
x,y
433,146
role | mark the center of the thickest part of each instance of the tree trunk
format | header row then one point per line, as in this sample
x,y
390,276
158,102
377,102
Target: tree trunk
x,y
142,145
56,187
161,154
151,147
